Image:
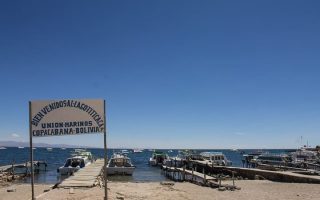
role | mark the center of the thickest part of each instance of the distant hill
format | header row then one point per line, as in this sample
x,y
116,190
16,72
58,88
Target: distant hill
x,y
26,144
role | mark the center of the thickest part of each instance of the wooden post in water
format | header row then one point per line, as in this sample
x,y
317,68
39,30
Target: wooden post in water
x,y
192,172
184,173
12,168
26,167
233,178
204,176
212,167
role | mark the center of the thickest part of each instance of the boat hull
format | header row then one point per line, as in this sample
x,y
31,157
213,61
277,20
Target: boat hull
x,y
154,162
120,170
67,170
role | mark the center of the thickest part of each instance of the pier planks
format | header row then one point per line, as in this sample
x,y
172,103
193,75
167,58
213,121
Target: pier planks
x,y
86,177
189,172
282,176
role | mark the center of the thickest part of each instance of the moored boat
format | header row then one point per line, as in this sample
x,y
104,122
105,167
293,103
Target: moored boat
x,y
183,155
303,155
125,151
216,158
79,160
120,164
137,150
272,159
158,158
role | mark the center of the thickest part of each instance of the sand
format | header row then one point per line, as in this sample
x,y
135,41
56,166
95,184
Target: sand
x,y
22,191
250,190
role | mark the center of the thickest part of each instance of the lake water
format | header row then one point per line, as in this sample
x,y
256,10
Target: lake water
x,y
143,171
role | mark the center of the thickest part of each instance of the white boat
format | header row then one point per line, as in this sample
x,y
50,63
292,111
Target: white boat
x,y
3,148
234,150
120,164
216,158
178,160
158,158
49,149
125,151
79,160
137,150
271,159
20,147
303,155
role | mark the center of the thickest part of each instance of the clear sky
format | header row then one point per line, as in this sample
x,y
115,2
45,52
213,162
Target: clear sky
x,y
175,74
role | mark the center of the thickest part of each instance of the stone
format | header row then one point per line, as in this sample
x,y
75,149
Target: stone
x,y
166,183
11,190
46,190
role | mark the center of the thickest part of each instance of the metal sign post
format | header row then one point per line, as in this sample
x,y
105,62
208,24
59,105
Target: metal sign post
x,y
105,154
31,152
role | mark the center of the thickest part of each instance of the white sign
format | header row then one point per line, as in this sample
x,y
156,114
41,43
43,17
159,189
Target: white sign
x,y
67,117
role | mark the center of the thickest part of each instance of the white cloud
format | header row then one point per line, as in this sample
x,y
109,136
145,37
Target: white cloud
x,y
14,135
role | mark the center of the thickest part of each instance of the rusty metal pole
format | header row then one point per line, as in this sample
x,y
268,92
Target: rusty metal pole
x,y
31,151
105,154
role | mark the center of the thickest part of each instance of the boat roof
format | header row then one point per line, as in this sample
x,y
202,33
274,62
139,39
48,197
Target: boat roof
x,y
119,156
272,155
211,153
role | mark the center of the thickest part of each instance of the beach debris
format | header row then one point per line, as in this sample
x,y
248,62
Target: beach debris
x,y
166,183
259,177
121,196
221,189
71,191
11,190
6,177
46,190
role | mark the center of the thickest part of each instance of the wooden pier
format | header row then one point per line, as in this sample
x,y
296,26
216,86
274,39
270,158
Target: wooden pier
x,y
86,177
182,174
208,174
253,173
38,165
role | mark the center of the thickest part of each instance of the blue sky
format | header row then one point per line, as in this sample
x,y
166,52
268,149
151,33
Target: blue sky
x,y
175,74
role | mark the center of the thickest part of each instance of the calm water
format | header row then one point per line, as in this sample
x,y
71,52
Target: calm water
x,y
143,171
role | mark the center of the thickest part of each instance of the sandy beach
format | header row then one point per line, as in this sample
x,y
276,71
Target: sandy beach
x,y
250,189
